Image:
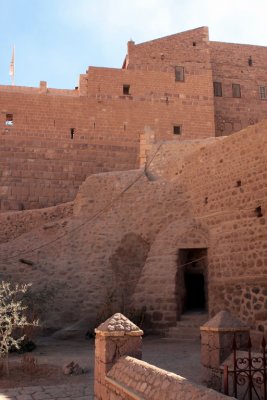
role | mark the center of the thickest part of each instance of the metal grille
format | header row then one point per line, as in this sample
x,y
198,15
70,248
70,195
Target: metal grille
x,y
248,375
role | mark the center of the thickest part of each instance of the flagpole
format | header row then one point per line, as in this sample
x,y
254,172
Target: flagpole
x,y
12,67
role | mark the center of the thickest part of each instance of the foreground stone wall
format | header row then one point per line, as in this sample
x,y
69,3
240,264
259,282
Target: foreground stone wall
x,y
135,379
119,373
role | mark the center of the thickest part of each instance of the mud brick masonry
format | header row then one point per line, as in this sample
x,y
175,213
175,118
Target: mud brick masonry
x,y
151,199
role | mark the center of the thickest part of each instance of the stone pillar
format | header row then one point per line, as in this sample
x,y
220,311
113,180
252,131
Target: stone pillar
x,y
216,345
115,338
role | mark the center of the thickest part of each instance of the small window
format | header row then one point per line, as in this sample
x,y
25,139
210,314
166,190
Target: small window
x,y
217,88
177,129
72,131
179,74
9,119
126,89
236,90
263,92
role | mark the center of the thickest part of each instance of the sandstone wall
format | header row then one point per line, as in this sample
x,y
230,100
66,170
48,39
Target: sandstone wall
x,y
224,183
40,164
230,66
130,379
127,229
58,137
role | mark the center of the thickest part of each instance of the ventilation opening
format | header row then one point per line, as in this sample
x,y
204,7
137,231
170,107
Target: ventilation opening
x,y
177,129
9,119
250,62
72,132
126,89
258,212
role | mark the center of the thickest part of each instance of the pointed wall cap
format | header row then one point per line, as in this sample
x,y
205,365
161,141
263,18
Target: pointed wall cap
x,y
224,321
118,325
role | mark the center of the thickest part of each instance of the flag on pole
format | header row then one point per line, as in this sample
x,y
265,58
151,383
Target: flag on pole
x,y
12,66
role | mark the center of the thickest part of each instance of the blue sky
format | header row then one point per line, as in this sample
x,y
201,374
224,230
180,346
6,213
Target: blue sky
x,y
56,40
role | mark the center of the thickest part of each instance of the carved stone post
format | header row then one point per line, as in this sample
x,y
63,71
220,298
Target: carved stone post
x,y
216,345
116,337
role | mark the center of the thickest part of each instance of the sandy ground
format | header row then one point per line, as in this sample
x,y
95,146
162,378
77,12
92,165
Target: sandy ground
x,y
182,358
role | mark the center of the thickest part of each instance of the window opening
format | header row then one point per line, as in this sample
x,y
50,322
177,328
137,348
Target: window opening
x,y
217,88
263,92
236,90
177,129
250,62
9,119
72,131
179,74
126,89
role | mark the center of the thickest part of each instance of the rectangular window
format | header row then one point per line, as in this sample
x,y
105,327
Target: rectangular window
x,y
263,92
9,119
126,89
236,90
179,74
177,129
217,88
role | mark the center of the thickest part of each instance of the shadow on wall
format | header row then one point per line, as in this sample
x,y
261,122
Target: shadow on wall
x,y
126,264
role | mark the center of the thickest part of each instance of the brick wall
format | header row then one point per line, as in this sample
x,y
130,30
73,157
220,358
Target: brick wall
x,y
230,66
41,165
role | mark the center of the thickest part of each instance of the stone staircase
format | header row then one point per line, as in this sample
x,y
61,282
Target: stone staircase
x,y
187,329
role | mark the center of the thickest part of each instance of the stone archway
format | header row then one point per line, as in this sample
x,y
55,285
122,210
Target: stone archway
x,y
160,285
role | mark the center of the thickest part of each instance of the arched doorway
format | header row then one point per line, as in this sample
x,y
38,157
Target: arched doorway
x,y
192,264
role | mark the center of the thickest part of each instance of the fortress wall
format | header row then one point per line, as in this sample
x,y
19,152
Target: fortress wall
x,y
188,49
14,224
157,101
143,229
230,65
85,266
226,182
41,165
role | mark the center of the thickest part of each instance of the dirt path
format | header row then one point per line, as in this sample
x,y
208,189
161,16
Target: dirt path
x,y
182,358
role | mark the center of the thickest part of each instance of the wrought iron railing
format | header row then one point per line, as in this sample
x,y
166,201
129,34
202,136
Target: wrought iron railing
x,y
248,374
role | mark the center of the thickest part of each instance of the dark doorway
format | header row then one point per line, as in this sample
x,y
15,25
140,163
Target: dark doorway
x,y
195,291
192,285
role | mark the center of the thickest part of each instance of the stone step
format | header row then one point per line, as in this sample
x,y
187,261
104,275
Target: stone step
x,y
188,328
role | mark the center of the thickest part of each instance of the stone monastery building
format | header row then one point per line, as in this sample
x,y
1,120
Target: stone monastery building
x,y
154,206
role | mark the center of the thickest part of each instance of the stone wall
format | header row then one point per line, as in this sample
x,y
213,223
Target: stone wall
x,y
204,196
223,182
131,379
58,137
230,65
119,373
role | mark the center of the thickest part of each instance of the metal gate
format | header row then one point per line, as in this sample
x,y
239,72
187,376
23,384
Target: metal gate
x,y
247,378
